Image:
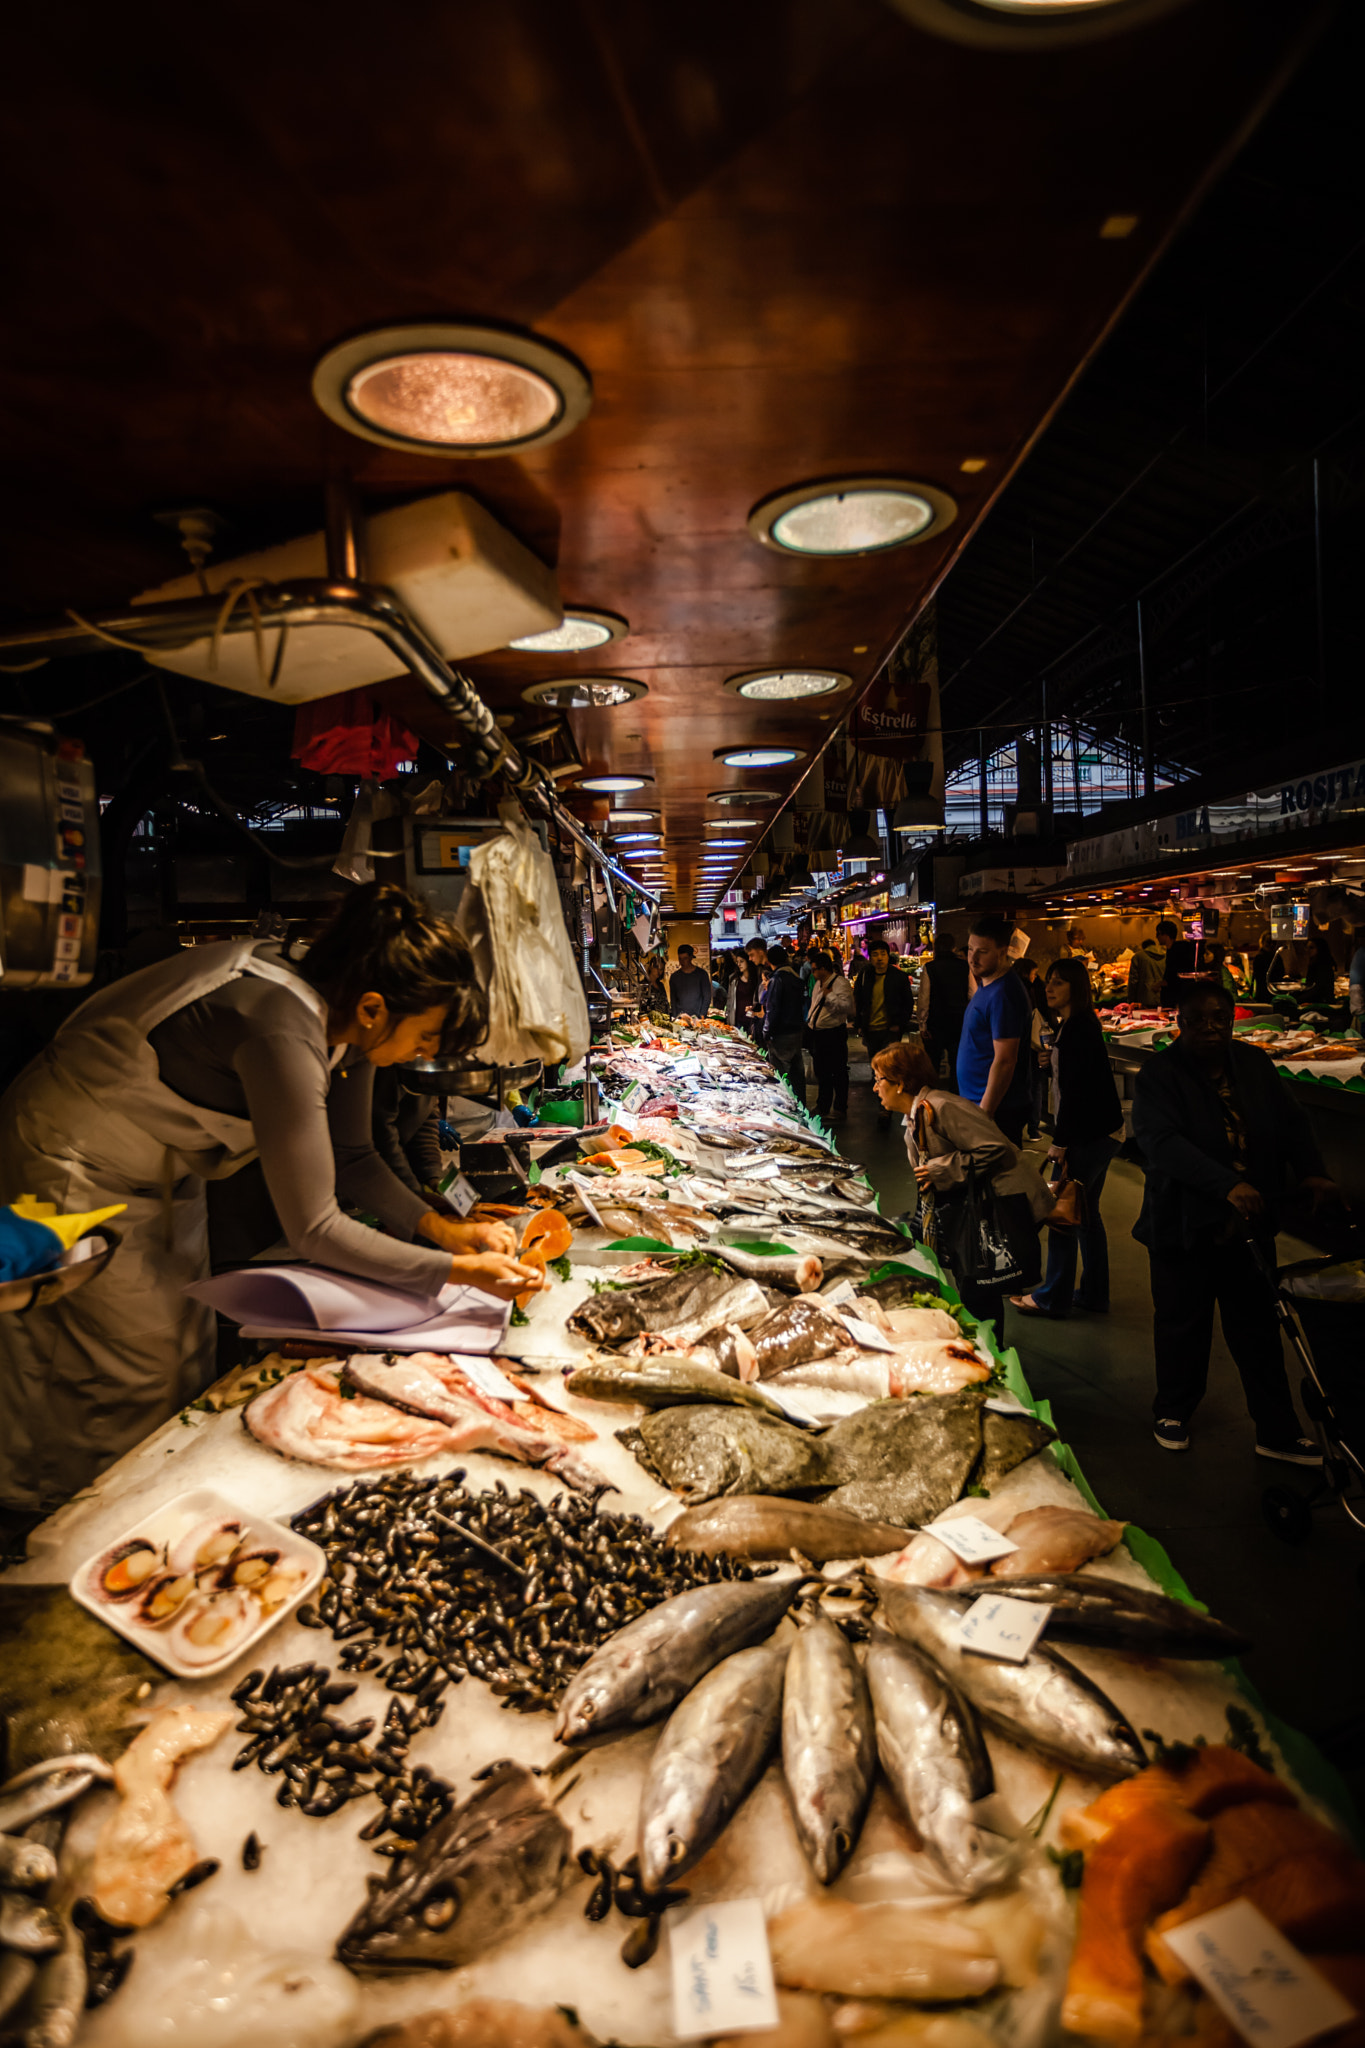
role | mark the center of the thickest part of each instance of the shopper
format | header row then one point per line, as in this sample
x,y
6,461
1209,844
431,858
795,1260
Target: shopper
x,y
941,1003
993,1054
653,989
827,1022
1262,964
1087,1132
784,1021
945,1136
1147,970
1357,990
881,1004
689,988
1320,979
1033,985
1220,1135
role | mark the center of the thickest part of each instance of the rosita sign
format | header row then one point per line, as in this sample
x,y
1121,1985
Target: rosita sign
x,y
1329,797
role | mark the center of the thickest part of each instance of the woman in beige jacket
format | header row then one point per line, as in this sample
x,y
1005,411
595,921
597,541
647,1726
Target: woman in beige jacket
x,y
944,1136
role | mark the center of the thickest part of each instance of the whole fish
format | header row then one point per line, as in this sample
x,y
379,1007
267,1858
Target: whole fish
x,y
618,1313
905,1461
742,1305
43,1795
470,1882
1107,1615
1006,1441
24,1866
709,1758
702,1452
829,1744
646,1667
664,1380
763,1525
1045,1703
795,1333
793,1272
932,1750
728,1350
428,1385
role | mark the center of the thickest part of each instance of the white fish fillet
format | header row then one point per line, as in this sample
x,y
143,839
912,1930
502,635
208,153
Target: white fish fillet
x,y
1055,1539
430,1385
919,1322
929,1367
307,1417
144,1847
886,1950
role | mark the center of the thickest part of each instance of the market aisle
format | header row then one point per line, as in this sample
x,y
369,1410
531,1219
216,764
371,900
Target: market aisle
x,y
1303,1606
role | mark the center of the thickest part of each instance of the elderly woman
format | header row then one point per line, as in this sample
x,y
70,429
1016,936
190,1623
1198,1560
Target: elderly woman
x,y
945,1136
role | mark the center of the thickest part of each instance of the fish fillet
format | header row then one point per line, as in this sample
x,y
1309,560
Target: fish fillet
x,y
307,1417
1055,1539
144,1847
424,1383
884,1950
931,1368
1139,1868
915,1322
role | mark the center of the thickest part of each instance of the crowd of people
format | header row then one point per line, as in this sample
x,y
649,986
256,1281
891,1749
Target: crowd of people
x,y
975,1057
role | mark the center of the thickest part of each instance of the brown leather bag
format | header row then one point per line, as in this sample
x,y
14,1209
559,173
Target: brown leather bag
x,y
1068,1212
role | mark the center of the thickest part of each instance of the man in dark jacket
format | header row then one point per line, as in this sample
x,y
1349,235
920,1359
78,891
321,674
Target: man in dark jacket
x,y
943,996
1221,1137
881,1005
784,1020
689,987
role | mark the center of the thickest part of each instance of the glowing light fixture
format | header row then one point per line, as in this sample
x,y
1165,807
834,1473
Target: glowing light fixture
x,y
584,693
759,757
607,785
786,685
727,842
729,824
851,516
744,796
632,838
448,388
579,631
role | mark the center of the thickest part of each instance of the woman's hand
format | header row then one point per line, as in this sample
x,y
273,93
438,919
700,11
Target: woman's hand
x,y
1057,1152
922,1178
461,1238
494,1274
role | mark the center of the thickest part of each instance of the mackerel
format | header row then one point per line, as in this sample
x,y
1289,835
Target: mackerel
x,y
709,1758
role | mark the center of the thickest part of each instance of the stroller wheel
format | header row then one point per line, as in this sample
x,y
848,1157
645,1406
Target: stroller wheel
x,y
1287,1514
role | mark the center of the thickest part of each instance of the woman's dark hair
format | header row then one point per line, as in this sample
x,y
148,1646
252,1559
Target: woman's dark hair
x,y
907,1067
1317,939
944,944
1076,975
383,940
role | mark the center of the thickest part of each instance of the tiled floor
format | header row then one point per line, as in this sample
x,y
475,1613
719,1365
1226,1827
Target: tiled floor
x,y
1305,1607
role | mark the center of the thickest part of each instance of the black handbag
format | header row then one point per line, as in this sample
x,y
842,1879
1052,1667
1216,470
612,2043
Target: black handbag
x,y
985,1239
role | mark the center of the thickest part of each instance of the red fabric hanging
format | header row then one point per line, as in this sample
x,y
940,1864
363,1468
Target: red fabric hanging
x,y
351,734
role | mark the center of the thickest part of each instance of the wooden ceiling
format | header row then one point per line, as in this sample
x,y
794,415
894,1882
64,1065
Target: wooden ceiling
x,y
792,239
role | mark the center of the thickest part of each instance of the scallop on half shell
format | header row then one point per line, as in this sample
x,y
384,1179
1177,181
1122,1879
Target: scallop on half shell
x,y
211,1626
205,1546
163,1596
123,1571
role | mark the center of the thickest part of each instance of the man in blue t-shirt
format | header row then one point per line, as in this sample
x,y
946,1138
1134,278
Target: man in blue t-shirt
x,y
993,1052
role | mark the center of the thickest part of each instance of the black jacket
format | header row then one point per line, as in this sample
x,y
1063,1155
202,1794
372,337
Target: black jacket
x,y
1088,1103
1178,1123
784,1005
898,999
948,996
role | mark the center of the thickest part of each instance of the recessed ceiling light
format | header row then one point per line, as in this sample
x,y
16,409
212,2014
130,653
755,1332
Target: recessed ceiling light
x,y
744,796
579,631
972,464
851,516
604,785
783,685
633,838
621,817
759,757
727,842
445,388
584,693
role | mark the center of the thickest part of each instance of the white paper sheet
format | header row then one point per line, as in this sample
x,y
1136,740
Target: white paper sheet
x,y
303,1302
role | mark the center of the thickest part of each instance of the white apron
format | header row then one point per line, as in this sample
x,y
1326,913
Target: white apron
x,y
90,1121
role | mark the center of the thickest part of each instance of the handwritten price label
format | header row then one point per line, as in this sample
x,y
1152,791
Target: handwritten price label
x,y
996,1626
1257,1979
461,1195
971,1539
637,1093
722,1971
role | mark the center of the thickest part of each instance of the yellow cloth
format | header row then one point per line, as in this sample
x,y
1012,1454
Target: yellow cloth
x,y
67,1228
876,1019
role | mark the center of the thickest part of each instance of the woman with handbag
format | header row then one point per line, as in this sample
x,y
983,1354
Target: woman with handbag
x,y
827,1021
985,1204
1087,1132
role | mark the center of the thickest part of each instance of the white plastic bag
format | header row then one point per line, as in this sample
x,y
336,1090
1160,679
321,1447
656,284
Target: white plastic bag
x,y
511,915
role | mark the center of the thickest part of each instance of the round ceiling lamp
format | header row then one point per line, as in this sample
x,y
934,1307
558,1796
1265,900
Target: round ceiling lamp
x,y
584,693
787,685
743,796
729,824
759,757
727,842
579,631
1030,24
856,515
634,838
449,388
607,785
624,817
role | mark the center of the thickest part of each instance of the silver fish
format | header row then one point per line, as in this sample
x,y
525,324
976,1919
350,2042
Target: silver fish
x,y
764,1525
27,1926
665,1380
1109,1615
24,1866
646,1667
57,1998
932,1750
470,1882
739,1308
44,1795
1045,1704
709,1758
829,1745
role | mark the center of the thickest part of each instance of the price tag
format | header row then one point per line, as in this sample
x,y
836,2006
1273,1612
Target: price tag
x,y
722,1970
1258,1980
486,1378
838,1296
461,1195
996,1626
971,1539
577,1181
866,1335
625,1121
689,1064
637,1093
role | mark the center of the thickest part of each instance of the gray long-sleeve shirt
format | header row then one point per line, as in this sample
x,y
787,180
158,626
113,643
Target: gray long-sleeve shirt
x,y
252,1049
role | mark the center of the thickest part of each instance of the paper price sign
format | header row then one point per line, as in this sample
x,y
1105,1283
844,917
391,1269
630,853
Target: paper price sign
x,y
996,1626
576,1180
1257,1979
486,1377
722,1971
865,1335
461,1195
690,1064
637,1093
971,1539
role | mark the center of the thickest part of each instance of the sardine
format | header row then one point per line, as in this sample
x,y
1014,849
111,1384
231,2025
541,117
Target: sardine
x,y
44,1795
24,1866
27,1926
931,1747
665,1380
56,1999
763,1525
1045,1703
905,1461
642,1672
473,1880
1105,1614
798,1331
702,1452
829,1744
709,1758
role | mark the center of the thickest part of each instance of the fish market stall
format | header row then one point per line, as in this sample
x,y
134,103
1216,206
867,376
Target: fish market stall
x,y
454,1682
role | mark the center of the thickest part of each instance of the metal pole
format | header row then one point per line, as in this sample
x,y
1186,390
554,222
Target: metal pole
x,y
1076,766
1045,739
345,547
1317,576
1148,769
985,816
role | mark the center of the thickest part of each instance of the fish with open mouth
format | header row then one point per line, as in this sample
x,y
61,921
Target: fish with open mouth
x,y
829,1743
425,1383
763,1525
701,1452
470,1882
710,1756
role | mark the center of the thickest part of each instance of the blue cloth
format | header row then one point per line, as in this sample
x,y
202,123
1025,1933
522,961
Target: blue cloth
x,y
1001,1009
26,1246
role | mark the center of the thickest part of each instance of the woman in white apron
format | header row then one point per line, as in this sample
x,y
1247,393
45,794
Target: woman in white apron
x,y
183,1073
